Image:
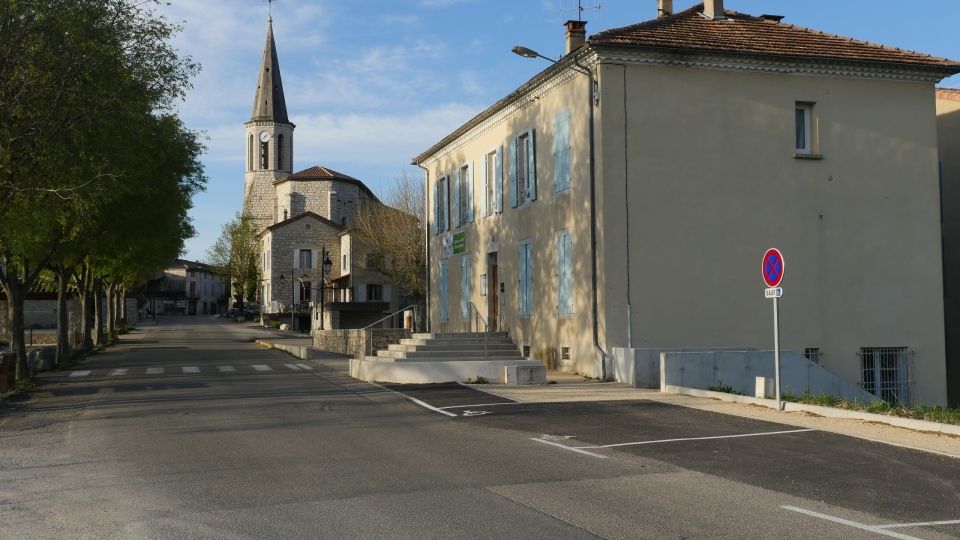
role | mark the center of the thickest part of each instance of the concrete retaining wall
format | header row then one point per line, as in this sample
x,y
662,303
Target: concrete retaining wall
x,y
640,368
354,343
740,369
297,351
495,371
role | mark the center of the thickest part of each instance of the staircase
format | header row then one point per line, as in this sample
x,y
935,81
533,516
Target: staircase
x,y
444,357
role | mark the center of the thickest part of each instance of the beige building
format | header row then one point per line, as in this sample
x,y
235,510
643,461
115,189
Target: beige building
x,y
715,135
948,130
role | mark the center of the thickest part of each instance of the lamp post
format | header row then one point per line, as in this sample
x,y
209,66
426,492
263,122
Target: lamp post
x,y
580,68
326,266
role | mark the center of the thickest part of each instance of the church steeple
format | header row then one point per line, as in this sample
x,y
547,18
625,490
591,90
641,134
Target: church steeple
x,y
269,104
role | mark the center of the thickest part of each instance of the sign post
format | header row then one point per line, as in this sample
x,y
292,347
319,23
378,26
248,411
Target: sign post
x,y
771,266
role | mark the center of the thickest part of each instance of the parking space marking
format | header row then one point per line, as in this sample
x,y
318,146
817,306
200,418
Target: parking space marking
x,y
80,373
417,401
854,524
923,524
571,448
191,369
637,443
118,371
154,370
478,405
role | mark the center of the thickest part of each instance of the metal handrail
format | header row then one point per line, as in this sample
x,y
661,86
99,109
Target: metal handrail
x,y
369,328
474,312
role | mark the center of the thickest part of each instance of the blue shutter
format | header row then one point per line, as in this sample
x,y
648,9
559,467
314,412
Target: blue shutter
x,y
436,207
446,204
469,181
466,289
559,273
484,197
531,165
498,180
529,287
513,173
561,150
564,274
522,256
443,291
457,218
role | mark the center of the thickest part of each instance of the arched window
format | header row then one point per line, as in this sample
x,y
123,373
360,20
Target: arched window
x,y
250,153
265,155
280,152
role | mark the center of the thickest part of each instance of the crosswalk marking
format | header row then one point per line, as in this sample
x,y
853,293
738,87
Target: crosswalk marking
x,y
261,367
154,370
292,366
304,366
227,369
80,373
190,369
118,371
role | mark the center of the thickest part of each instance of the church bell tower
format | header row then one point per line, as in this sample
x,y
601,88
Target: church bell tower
x,y
268,139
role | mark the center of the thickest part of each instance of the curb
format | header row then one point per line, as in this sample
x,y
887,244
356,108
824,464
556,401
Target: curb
x,y
829,412
296,351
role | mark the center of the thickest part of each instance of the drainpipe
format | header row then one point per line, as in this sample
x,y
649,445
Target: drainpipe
x,y
426,243
593,224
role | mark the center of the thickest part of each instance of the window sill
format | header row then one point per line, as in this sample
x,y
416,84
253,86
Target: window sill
x,y
798,155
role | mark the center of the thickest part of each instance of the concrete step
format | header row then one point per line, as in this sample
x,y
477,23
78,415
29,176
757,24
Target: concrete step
x,y
457,335
446,355
471,358
454,343
431,346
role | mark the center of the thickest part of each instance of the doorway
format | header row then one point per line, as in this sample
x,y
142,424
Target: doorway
x,y
493,292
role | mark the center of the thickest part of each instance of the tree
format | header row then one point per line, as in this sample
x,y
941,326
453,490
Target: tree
x,y
234,257
395,229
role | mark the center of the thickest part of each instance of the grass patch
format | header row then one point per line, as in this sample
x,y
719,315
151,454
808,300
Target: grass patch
x,y
275,324
942,415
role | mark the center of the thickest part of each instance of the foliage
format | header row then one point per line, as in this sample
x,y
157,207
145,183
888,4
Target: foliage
x,y
234,257
395,229
720,387
939,414
480,379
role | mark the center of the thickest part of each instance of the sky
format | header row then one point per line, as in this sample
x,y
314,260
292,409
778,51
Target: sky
x,y
372,83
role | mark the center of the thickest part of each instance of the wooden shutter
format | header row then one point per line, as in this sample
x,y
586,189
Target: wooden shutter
x,y
455,187
469,181
443,291
531,165
498,180
561,150
484,197
513,173
436,207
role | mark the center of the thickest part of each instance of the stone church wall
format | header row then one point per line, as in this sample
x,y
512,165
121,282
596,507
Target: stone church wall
x,y
306,233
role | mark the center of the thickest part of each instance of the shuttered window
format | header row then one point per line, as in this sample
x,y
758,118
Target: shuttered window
x,y
561,150
526,280
444,316
523,169
564,274
466,287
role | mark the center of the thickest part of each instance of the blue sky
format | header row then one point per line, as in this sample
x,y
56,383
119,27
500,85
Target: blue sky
x,y
371,83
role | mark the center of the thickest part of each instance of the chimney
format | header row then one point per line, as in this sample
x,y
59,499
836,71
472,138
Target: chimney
x,y
713,9
664,8
576,35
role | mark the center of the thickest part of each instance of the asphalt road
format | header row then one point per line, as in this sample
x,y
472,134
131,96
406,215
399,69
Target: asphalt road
x,y
187,430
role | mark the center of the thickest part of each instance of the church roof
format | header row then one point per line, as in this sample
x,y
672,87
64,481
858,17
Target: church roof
x,y
319,172
269,104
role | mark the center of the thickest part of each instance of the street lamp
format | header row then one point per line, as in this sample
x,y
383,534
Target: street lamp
x,y
293,295
327,265
592,96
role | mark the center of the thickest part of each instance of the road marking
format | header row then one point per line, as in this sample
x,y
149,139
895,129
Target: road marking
x,y
417,401
849,523
571,448
485,391
477,405
227,369
475,413
293,367
700,438
261,367
80,373
118,371
923,524
304,366
191,369
154,370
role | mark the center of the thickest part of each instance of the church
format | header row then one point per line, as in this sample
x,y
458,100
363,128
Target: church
x,y
313,268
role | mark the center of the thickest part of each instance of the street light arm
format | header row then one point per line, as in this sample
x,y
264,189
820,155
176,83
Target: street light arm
x,y
520,50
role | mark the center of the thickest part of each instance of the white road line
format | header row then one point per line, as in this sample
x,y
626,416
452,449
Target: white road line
x,y
292,366
485,391
118,371
304,366
227,369
571,448
478,405
924,524
700,438
261,367
154,370
191,369
849,523
415,400
79,373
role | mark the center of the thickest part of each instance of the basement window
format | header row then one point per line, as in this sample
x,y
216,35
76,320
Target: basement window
x,y
526,351
564,353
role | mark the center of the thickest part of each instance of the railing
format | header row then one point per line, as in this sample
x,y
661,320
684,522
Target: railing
x,y
474,322
369,329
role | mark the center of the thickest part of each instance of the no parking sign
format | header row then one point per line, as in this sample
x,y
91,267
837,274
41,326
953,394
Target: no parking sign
x,y
771,267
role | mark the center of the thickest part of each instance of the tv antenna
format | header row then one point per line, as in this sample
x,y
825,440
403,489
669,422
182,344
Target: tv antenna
x,y
580,9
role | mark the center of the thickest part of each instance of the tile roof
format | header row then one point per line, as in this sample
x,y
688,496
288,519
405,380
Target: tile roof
x,y
300,216
321,173
738,33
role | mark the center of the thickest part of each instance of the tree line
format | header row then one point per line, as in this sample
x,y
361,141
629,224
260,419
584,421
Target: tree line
x,y
97,172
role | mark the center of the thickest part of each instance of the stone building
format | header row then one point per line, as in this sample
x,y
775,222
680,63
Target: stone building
x,y
303,218
186,288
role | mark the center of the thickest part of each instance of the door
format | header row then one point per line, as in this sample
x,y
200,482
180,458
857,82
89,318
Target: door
x,y
493,292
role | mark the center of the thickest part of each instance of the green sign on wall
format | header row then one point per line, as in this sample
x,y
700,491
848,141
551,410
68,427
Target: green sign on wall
x,y
459,242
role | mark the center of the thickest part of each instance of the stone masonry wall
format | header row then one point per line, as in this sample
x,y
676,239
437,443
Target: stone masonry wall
x,y
306,233
354,342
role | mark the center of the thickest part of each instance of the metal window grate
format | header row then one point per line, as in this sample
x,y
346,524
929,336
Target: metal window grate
x,y
812,354
886,373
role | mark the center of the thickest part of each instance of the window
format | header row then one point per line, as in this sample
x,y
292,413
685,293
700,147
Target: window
x,y
374,293
526,280
886,373
250,153
564,274
465,214
374,261
565,353
466,287
344,267
561,150
483,284
306,258
525,351
812,354
265,155
442,296
305,288
280,152
440,207
523,177
804,123
489,172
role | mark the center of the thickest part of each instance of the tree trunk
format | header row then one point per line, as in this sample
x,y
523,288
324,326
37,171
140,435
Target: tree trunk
x,y
111,312
86,309
63,316
123,308
15,296
99,338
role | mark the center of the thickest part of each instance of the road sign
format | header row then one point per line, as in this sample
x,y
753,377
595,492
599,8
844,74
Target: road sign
x,y
772,267
773,292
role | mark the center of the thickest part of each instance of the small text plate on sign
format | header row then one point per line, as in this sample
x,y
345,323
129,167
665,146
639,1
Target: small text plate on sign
x,y
771,267
773,292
